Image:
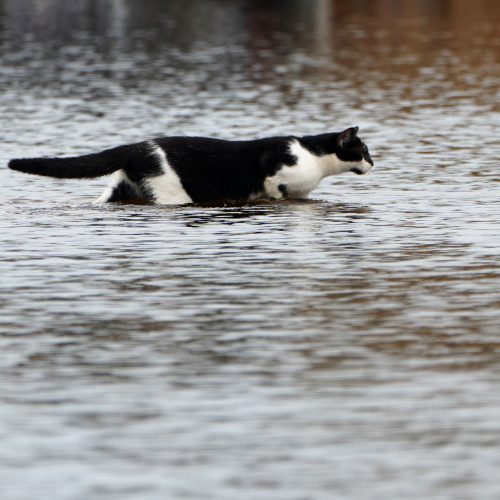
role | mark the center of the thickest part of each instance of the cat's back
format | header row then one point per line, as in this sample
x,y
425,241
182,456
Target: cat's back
x,y
188,146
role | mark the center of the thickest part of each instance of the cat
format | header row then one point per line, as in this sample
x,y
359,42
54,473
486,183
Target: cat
x,y
184,170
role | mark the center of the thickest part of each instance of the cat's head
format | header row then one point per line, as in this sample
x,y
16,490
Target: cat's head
x,y
352,150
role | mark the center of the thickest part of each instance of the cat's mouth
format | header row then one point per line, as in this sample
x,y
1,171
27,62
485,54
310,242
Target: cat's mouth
x,y
358,171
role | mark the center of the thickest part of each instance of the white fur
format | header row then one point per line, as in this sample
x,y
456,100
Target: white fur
x,y
166,188
300,179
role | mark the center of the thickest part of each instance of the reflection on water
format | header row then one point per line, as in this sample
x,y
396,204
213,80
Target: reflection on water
x,y
272,350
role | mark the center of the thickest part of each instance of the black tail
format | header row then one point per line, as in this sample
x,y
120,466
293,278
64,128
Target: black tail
x,y
78,167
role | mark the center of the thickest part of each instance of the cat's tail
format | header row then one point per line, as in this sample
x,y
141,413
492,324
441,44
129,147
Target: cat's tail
x,y
78,167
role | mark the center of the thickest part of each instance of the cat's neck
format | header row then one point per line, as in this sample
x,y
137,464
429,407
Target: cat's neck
x,y
322,164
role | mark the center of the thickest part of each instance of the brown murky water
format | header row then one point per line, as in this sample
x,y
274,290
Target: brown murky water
x,y
344,347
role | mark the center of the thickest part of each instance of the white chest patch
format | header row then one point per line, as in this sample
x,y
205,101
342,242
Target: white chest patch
x,y
166,188
300,179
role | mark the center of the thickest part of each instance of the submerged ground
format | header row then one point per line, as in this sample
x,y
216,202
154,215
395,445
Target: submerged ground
x,y
345,347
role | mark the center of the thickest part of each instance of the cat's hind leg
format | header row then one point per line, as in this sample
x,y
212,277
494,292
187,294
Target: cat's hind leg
x,y
121,189
165,188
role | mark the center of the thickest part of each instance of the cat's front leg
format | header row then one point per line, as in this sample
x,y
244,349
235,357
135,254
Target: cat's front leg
x,y
274,188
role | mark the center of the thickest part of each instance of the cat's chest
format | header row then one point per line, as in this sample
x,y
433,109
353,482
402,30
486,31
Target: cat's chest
x,y
295,181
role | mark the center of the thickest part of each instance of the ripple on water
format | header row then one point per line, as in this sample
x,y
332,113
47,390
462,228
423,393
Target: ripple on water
x,y
271,350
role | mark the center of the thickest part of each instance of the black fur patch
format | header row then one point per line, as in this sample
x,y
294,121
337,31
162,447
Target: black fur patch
x,y
125,193
213,169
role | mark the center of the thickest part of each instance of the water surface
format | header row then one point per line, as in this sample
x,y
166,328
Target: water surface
x,y
343,347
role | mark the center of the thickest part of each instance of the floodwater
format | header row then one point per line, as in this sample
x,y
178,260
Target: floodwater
x,y
343,347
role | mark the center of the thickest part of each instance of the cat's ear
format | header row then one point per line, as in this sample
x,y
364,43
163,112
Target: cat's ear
x,y
347,135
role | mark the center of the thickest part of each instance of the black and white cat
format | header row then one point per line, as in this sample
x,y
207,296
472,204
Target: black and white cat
x,y
180,170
